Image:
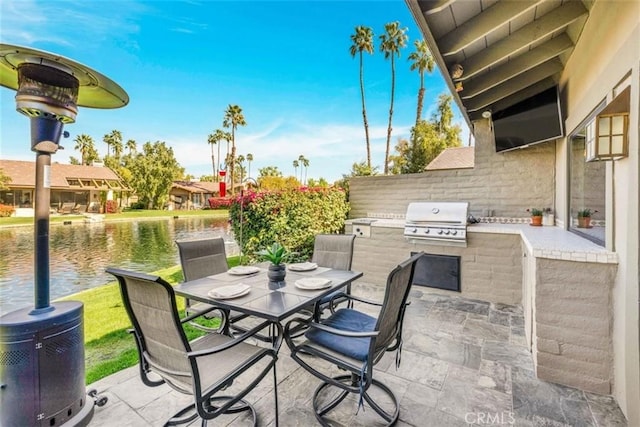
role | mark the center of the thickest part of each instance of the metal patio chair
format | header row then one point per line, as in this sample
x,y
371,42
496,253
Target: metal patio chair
x,y
202,258
333,251
354,342
203,367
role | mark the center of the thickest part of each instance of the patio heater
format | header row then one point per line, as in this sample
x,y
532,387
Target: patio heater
x,y
42,348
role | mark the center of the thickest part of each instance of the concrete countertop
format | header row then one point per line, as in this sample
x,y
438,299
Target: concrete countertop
x,y
542,242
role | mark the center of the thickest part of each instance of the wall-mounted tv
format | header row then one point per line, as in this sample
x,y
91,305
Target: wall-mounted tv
x,y
536,119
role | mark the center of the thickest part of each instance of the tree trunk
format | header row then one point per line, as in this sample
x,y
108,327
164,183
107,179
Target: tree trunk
x,y
233,160
393,88
217,173
364,112
420,99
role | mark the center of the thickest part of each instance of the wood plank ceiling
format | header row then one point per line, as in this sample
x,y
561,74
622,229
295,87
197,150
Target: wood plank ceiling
x,y
509,50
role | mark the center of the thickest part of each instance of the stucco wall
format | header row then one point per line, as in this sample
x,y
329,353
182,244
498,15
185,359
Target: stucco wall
x,y
608,53
504,184
573,324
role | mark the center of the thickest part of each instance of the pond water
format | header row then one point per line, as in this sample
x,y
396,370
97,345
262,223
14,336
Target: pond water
x,y
79,253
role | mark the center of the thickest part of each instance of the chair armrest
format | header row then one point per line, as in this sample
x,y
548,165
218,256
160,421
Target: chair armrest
x,y
342,332
355,298
241,338
195,315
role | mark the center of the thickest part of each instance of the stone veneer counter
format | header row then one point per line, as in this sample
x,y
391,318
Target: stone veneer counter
x,y
551,242
542,242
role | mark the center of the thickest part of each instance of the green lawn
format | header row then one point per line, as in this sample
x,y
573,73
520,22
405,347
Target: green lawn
x,y
109,348
133,214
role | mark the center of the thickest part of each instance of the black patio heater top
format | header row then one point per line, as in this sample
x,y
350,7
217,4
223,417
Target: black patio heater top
x,y
42,348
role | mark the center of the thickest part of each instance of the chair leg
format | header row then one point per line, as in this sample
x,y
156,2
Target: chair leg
x,y
190,413
391,417
275,391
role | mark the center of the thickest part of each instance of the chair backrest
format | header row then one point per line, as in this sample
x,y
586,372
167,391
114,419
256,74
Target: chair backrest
x,y
389,323
202,258
333,250
151,305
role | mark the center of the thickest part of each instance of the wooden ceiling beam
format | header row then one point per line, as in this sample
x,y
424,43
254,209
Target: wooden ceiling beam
x,y
555,20
435,6
519,65
526,93
514,85
482,24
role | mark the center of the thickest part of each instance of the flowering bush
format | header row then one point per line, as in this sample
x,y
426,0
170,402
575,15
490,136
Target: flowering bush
x,y
6,211
219,202
290,217
111,206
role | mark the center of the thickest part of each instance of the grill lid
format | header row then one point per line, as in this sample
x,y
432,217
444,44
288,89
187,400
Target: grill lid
x,y
437,213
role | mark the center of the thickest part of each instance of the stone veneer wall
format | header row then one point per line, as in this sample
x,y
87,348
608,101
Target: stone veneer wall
x,y
491,264
573,324
500,184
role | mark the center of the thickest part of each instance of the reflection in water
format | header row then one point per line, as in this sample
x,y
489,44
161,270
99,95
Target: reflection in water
x,y
80,253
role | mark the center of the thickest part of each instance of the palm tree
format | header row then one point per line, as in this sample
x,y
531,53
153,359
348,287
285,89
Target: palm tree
x,y
131,146
249,160
391,42
305,163
233,118
84,144
422,61
212,140
241,167
113,139
301,163
363,42
295,168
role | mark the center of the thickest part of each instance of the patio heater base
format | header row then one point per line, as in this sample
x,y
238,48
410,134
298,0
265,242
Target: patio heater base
x,y
42,367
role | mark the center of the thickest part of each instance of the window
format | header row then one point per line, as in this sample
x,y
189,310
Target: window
x,y
587,184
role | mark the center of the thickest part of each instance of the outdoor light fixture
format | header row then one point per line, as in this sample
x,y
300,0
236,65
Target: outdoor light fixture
x,y
458,86
456,71
486,114
42,363
607,136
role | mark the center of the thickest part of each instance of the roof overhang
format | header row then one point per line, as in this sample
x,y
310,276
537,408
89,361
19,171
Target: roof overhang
x,y
508,50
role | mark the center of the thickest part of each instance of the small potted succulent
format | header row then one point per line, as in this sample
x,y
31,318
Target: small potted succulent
x,y
276,255
536,216
584,217
548,218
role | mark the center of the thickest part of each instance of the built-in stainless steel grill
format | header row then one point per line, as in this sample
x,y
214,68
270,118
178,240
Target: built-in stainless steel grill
x,y
437,222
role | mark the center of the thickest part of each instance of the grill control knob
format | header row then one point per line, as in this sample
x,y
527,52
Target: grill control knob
x,y
440,231
446,231
454,232
426,231
415,230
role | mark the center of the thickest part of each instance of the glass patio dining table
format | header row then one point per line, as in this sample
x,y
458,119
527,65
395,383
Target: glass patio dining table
x,y
274,301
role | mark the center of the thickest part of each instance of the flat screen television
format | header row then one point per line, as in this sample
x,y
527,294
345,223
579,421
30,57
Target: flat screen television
x,y
534,120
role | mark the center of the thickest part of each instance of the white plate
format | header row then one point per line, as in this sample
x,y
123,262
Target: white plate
x,y
303,266
228,292
312,283
243,270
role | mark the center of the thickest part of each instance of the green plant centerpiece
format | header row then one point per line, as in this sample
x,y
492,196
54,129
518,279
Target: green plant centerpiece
x,y
536,216
584,217
276,254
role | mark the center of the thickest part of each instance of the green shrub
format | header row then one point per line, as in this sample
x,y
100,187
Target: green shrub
x,y
291,217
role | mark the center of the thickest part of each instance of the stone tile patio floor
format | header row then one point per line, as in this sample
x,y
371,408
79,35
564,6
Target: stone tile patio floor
x,y
464,362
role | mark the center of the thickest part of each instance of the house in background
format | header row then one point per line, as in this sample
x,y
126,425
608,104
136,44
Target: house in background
x,y
71,185
453,158
185,195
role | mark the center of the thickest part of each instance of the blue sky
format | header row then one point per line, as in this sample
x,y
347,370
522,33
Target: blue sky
x,y
285,63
